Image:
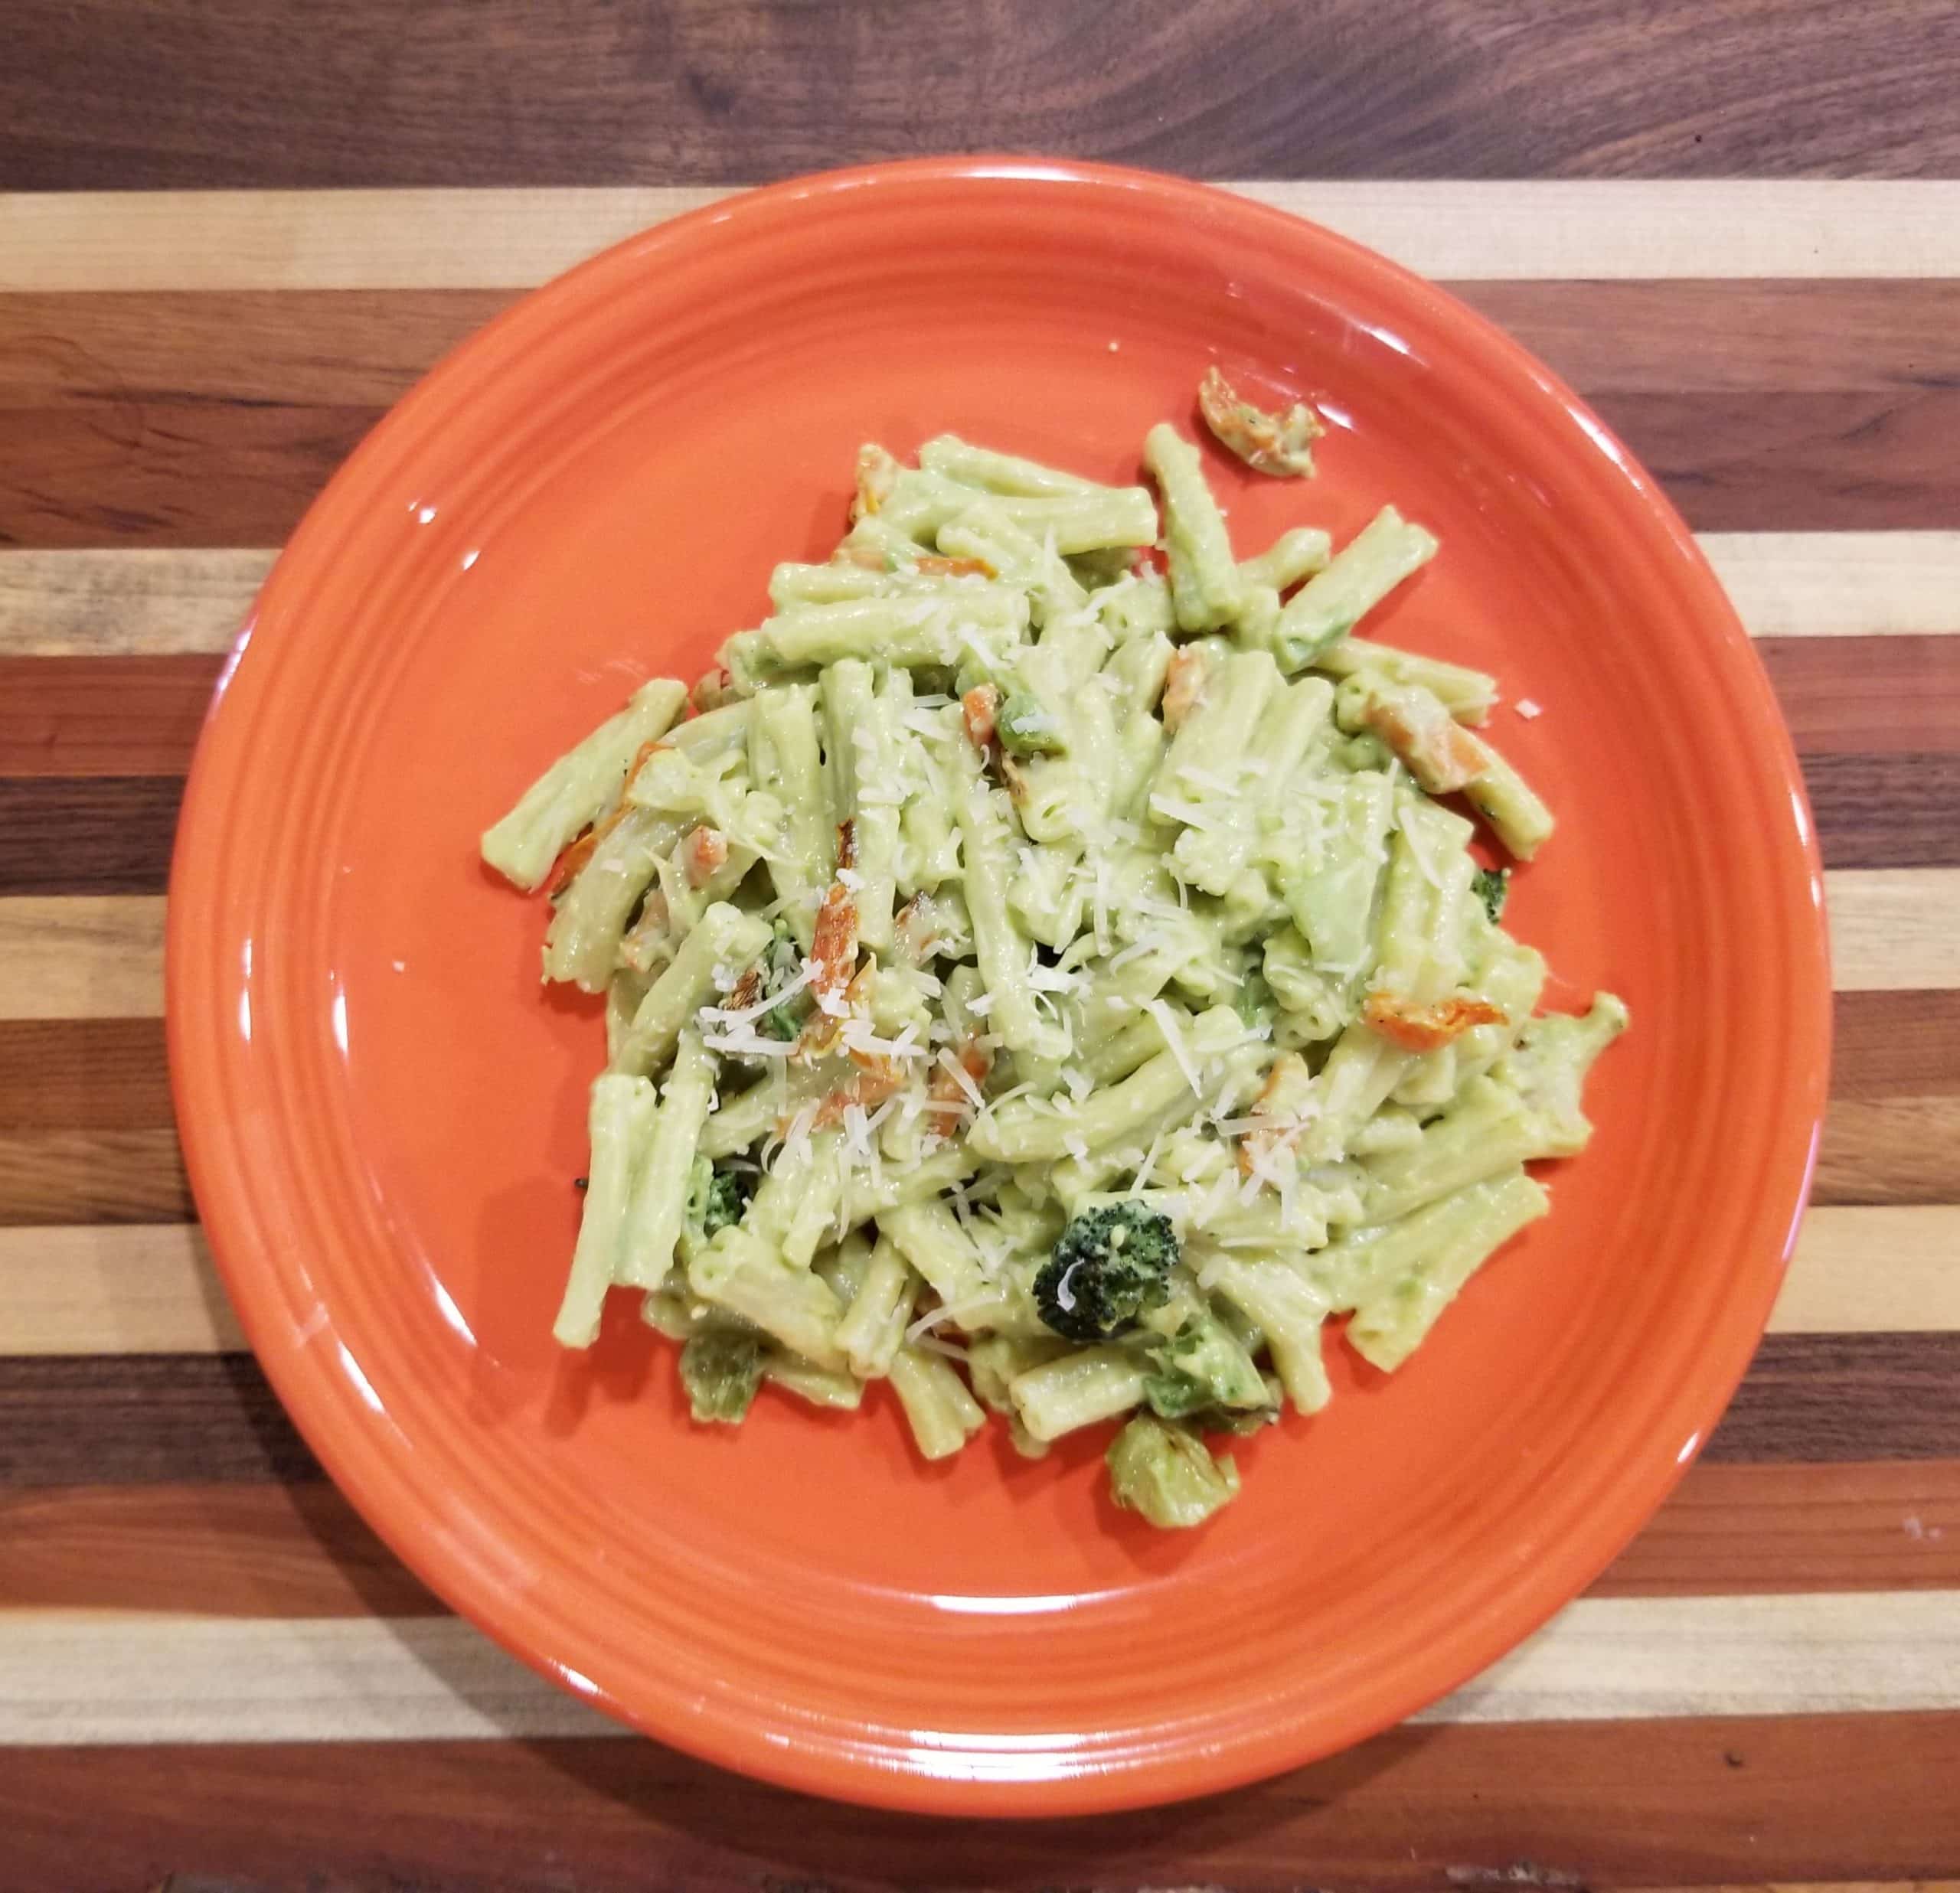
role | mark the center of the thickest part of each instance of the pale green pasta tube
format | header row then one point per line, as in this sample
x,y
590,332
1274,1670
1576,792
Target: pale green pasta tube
x,y
942,1414
1021,1133
928,1235
1297,553
1289,1310
873,1327
957,459
1096,1383
865,788
935,624
617,1121
1507,802
1360,576
1331,892
797,1308
1004,950
1389,1326
1489,1128
1205,585
726,938
660,1195
579,787
1467,695
582,943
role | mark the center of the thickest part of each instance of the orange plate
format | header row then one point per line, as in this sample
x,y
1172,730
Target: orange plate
x,y
383,1113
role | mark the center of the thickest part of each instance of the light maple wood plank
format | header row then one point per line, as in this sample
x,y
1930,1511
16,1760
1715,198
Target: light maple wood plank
x,y
105,1288
81,956
144,602
1849,584
1524,230
138,601
96,1677
152,1288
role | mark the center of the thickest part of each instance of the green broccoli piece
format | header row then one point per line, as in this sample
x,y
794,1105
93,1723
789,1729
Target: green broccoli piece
x,y
1167,1473
1112,1263
1492,886
721,1370
1200,1367
1026,729
718,1194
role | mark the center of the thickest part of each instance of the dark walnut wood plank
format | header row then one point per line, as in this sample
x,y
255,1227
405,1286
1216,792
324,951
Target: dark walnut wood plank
x,y
194,1419
87,835
352,93
118,715
167,419
1896,811
83,1075
299,1550
210,473
70,1177
106,717
145,1419
1718,337
1843,1397
1742,1801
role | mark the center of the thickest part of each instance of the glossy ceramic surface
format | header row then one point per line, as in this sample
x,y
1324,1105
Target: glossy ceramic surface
x,y
383,1112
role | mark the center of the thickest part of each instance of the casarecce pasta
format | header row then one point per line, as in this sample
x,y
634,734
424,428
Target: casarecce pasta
x,y
1058,985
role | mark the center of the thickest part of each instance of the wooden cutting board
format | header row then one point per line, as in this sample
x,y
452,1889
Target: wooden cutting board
x,y
1725,225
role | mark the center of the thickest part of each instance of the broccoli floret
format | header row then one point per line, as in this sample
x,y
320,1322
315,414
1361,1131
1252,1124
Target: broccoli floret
x,y
1492,886
1200,1367
1113,1264
1167,1473
721,1370
717,1196
1026,729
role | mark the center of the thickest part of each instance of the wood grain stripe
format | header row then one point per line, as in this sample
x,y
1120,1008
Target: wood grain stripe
x,y
1892,1150
103,716
87,835
128,602
201,1419
1889,1151
301,1551
1765,1803
168,472
83,1075
69,1176
114,832
78,1679
131,602
116,716
152,1288
79,956
1530,229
